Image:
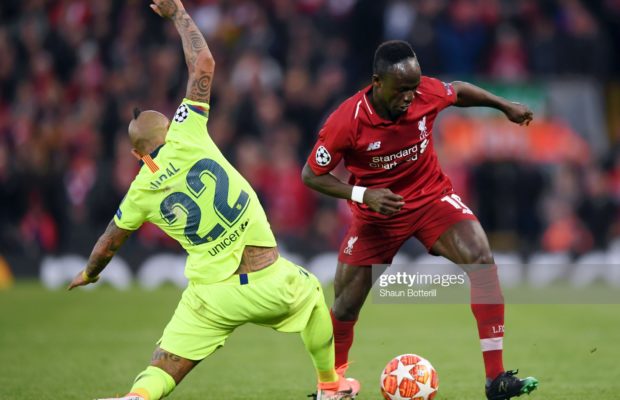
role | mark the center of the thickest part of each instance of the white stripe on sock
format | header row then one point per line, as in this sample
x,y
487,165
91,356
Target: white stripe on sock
x,y
492,344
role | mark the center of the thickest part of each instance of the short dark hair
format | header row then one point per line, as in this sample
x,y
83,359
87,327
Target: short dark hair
x,y
390,53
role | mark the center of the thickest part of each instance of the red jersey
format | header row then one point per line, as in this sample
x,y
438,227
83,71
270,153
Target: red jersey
x,y
379,153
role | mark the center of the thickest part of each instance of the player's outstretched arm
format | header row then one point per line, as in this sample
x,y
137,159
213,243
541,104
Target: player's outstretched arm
x,y
468,95
200,62
105,248
382,200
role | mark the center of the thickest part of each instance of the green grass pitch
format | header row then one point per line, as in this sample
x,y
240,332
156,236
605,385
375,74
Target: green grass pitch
x,y
89,344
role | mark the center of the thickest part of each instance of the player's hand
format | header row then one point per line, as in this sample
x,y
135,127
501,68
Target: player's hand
x,y
383,201
81,280
519,113
166,8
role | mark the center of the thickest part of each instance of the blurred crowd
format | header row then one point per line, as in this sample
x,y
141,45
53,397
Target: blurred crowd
x,y
71,71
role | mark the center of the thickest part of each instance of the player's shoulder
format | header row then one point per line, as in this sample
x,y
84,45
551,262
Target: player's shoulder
x,y
433,87
135,191
189,123
142,179
189,108
351,108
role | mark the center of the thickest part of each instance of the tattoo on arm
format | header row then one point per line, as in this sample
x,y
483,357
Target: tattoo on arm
x,y
191,37
174,365
197,41
200,88
194,43
105,248
255,258
162,355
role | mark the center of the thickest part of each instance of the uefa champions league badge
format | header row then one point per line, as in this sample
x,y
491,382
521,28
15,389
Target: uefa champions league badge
x,y
323,157
181,114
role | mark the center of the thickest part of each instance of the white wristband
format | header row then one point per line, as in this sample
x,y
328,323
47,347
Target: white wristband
x,y
357,194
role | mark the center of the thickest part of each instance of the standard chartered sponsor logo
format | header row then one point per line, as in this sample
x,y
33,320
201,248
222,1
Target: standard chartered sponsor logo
x,y
392,160
394,156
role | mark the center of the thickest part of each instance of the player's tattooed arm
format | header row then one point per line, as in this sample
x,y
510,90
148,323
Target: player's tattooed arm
x,y
200,62
468,95
255,258
105,248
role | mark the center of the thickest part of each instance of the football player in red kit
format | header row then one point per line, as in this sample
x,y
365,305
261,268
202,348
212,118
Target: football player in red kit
x,y
397,190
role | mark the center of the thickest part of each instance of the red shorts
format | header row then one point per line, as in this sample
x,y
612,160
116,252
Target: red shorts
x,y
376,242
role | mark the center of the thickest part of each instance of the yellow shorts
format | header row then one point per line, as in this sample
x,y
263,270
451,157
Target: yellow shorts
x,y
281,296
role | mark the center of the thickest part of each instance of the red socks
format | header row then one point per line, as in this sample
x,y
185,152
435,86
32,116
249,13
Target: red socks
x,y
343,339
487,304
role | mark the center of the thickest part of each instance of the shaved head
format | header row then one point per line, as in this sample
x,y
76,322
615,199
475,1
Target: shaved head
x,y
147,130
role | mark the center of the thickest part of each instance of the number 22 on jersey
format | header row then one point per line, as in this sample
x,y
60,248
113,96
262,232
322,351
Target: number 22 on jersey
x,y
227,214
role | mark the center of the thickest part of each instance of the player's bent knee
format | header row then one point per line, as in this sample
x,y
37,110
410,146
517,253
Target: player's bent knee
x,y
478,258
346,315
344,311
484,257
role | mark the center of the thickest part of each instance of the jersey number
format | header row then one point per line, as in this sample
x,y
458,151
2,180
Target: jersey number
x,y
457,203
228,214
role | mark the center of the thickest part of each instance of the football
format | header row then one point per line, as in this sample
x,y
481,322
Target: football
x,y
409,377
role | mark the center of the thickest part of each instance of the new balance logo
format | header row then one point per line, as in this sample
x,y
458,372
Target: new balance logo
x,y
374,146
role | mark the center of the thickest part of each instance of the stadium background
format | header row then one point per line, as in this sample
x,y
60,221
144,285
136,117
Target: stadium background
x,y
71,71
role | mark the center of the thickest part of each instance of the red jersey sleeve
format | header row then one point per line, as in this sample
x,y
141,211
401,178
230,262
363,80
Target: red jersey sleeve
x,y
444,92
335,138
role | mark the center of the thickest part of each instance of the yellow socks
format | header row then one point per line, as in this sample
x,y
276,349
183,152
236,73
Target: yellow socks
x,y
153,383
319,342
